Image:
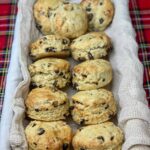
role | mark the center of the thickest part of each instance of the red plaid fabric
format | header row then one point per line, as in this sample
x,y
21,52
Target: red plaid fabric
x,y
140,15
8,11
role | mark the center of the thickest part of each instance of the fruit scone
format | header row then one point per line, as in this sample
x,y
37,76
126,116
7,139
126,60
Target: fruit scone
x,y
92,45
100,13
48,135
92,74
60,17
50,72
42,10
105,136
50,46
93,106
47,104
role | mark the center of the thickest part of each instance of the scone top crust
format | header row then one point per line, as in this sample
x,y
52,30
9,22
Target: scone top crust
x,y
51,97
69,20
100,13
92,45
48,135
92,67
42,10
50,45
47,65
93,97
98,137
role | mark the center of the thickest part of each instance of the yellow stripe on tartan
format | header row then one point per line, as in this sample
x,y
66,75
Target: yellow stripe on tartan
x,y
7,33
7,17
144,45
147,64
141,19
8,2
141,12
140,27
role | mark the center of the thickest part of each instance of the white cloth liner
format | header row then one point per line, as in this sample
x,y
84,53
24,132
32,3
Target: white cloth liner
x,y
133,115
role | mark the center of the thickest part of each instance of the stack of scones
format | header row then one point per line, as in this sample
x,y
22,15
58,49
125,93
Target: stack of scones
x,y
76,30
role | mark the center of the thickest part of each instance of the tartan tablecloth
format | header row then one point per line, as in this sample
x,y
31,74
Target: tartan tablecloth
x,y
140,15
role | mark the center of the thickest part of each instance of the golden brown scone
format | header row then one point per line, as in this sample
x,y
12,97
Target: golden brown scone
x,y
43,10
48,135
100,13
47,104
93,106
50,46
92,45
92,74
50,72
69,20
105,136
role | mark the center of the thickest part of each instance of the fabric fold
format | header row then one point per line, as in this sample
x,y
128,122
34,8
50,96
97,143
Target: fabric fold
x,y
136,137
16,138
137,110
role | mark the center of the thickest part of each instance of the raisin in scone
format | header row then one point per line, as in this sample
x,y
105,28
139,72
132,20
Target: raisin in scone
x,y
105,136
92,74
100,13
93,45
47,104
50,46
50,72
93,107
69,20
42,10
48,135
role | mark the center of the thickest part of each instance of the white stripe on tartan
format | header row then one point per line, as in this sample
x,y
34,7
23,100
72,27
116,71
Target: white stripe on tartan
x,y
7,25
6,61
140,54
